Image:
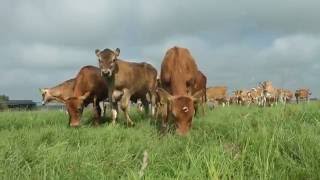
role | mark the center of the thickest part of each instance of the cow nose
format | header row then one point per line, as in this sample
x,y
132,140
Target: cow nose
x,y
43,103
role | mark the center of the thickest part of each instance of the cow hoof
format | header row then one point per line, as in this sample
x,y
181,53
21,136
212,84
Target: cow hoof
x,y
132,124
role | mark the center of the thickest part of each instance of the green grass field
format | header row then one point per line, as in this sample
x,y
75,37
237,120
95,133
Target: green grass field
x,y
280,142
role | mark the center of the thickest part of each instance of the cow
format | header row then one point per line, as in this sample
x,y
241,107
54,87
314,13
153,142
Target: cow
x,y
178,78
58,93
232,100
288,95
201,84
270,93
128,78
283,95
302,94
217,94
89,87
256,95
242,97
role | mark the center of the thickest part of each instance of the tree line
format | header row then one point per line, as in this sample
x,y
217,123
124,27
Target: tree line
x,y
4,102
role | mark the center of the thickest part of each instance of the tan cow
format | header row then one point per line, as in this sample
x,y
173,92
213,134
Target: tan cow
x,y
270,93
217,94
178,76
302,94
128,78
284,96
288,95
58,93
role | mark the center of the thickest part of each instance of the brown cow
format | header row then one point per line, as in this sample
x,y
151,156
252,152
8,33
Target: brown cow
x,y
217,94
201,84
302,94
58,93
89,87
243,97
129,78
178,77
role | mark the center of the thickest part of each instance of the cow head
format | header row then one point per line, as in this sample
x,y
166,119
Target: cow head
x,y
107,59
309,92
75,107
46,96
181,108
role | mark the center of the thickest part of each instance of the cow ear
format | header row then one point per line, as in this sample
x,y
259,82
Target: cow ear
x,y
164,94
43,90
97,51
85,96
196,97
117,52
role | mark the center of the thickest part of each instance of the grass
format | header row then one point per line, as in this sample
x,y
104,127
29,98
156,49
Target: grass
x,y
280,142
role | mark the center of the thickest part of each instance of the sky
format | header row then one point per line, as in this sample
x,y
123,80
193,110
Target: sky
x,y
236,43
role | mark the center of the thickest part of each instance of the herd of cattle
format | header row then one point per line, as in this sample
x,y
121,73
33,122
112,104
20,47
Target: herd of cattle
x,y
264,94
177,94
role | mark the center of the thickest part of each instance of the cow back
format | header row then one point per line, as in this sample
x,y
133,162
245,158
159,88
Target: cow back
x,y
178,71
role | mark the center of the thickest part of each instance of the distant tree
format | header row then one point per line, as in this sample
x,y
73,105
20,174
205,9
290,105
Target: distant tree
x,y
4,98
3,101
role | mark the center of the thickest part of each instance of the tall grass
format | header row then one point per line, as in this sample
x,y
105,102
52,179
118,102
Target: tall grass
x,y
280,142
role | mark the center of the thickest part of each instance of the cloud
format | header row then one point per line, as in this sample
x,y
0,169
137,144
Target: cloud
x,y
236,43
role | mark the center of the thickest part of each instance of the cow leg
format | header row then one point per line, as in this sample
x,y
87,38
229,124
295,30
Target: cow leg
x,y
196,107
165,118
114,112
124,105
97,114
113,104
104,108
145,104
100,104
114,97
153,103
203,102
94,109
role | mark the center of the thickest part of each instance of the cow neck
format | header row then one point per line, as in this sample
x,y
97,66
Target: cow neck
x,y
178,88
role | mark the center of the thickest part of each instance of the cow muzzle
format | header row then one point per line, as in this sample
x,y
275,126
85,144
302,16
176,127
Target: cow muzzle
x,y
182,132
106,72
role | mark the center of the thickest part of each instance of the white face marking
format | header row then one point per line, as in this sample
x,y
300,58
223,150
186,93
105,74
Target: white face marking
x,y
185,109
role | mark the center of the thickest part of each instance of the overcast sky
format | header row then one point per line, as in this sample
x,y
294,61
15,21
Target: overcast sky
x,y
235,42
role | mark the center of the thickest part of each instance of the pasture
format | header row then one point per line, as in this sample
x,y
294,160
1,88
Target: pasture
x,y
281,142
